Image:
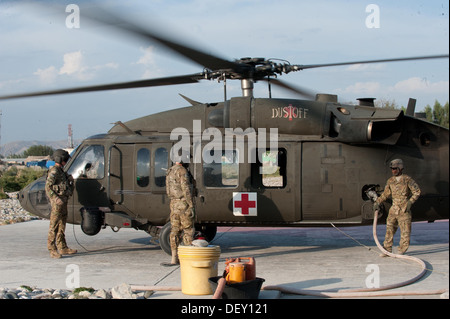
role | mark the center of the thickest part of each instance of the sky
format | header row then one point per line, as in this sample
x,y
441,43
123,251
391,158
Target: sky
x,y
47,48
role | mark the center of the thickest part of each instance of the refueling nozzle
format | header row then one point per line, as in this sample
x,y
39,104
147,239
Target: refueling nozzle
x,y
371,193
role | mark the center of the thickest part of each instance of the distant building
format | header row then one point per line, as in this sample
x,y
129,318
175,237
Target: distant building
x,y
40,161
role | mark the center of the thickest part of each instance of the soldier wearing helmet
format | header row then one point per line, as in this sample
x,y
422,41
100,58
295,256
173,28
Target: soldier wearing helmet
x,y
58,187
179,188
404,191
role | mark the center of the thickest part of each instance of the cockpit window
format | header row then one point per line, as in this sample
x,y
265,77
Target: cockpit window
x,y
89,163
37,195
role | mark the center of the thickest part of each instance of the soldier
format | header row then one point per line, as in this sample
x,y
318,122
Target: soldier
x,y
58,187
404,191
179,190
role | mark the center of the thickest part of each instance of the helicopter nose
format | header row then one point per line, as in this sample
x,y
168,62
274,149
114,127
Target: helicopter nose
x,y
22,196
32,198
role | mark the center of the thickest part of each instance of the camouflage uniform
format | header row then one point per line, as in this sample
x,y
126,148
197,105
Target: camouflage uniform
x,y
58,189
178,188
404,192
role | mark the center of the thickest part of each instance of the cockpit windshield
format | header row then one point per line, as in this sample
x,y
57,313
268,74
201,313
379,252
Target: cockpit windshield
x,y
89,163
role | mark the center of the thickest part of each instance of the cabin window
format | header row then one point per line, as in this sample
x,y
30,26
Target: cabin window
x,y
224,173
269,171
161,165
89,163
143,167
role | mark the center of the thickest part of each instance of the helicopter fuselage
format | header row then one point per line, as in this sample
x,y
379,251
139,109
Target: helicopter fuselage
x,y
326,156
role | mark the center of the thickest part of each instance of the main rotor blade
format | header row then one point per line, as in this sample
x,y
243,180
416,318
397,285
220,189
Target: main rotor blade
x,y
311,66
207,60
298,90
184,79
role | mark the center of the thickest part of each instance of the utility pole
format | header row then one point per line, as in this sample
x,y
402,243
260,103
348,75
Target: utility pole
x,y
70,139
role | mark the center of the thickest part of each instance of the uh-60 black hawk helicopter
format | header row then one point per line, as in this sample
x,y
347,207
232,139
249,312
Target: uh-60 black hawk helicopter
x,y
306,162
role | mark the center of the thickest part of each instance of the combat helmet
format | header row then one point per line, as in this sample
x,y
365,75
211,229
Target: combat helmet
x,y
396,163
60,156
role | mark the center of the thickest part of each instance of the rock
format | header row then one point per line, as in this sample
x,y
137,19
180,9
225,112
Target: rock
x,y
11,212
84,294
11,295
122,291
148,293
59,294
44,295
144,294
101,293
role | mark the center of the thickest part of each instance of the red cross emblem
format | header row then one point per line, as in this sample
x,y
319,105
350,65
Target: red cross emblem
x,y
289,112
244,204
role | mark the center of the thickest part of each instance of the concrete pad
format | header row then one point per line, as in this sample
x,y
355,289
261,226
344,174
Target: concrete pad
x,y
311,259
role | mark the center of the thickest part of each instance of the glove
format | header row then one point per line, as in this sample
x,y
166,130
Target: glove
x,y
376,206
408,206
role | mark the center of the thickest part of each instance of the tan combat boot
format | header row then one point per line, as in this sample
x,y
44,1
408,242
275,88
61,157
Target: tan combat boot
x,y
67,251
385,255
173,262
54,254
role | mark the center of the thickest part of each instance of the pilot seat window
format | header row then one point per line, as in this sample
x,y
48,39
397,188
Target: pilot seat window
x,y
89,163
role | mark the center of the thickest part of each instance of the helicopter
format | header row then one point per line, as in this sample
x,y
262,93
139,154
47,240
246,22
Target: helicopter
x,y
255,161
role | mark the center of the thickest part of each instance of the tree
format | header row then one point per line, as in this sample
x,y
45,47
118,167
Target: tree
x,y
38,150
388,104
35,150
429,113
14,179
438,114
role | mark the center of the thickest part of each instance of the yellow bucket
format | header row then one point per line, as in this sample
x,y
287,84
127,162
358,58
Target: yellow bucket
x,y
197,265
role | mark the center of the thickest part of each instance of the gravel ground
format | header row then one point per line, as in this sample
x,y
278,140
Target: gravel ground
x,y
122,291
11,212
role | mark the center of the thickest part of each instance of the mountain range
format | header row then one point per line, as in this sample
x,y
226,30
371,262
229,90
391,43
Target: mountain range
x,y
19,147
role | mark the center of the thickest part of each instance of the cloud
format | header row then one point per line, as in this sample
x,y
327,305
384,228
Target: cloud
x,y
47,75
147,59
365,88
416,84
74,67
411,86
72,63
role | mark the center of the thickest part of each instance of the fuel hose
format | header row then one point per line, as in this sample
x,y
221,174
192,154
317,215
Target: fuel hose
x,y
344,293
369,292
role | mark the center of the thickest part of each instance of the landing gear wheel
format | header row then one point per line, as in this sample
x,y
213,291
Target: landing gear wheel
x,y
164,238
164,235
